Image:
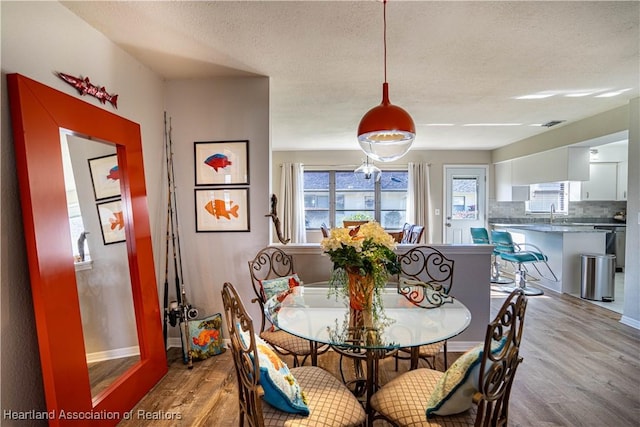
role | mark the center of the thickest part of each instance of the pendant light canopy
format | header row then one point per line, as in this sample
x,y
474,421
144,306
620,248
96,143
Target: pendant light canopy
x,y
368,171
387,131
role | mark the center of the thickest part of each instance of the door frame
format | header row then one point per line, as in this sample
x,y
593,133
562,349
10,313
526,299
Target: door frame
x,y
445,189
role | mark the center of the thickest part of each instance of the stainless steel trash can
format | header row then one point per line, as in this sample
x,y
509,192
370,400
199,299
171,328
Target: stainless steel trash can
x,y
598,276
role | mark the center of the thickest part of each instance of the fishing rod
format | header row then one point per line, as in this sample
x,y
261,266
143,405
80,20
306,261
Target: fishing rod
x,y
180,311
166,254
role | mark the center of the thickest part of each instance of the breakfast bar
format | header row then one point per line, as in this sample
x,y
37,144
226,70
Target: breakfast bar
x,y
563,244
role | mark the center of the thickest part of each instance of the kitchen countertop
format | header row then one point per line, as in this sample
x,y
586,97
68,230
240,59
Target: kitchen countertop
x,y
553,228
592,222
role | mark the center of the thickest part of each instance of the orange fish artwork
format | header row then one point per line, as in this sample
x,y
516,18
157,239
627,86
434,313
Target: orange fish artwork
x,y
218,208
117,221
205,337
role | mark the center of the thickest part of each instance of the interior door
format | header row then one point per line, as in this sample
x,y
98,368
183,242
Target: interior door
x,y
465,202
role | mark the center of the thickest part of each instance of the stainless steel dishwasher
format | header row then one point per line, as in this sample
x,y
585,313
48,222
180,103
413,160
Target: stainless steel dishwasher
x,y
615,243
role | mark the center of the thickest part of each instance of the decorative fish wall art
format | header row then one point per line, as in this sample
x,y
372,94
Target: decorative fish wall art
x,y
218,208
85,87
218,161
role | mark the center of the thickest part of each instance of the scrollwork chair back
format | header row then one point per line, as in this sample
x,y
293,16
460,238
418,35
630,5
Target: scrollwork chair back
x,y
495,384
245,357
269,263
428,265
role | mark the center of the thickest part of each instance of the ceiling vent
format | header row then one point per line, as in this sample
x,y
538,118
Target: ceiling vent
x,y
553,123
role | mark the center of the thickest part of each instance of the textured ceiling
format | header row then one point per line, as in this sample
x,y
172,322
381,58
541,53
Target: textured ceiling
x,y
454,63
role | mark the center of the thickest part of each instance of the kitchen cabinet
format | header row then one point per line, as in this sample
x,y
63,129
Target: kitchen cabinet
x,y
505,191
560,164
602,183
622,180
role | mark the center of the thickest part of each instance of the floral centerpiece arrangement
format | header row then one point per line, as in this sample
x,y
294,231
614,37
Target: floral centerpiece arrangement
x,y
363,259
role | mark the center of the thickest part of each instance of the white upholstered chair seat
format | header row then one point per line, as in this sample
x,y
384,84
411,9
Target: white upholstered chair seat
x,y
287,342
330,402
404,401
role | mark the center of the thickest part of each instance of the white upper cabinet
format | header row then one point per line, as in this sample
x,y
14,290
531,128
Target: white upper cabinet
x,y
602,184
505,191
560,164
622,180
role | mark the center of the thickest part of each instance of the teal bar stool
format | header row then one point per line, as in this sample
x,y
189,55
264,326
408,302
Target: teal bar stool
x,y
512,252
480,236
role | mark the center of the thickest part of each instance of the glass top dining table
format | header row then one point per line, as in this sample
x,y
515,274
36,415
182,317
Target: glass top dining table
x,y
309,312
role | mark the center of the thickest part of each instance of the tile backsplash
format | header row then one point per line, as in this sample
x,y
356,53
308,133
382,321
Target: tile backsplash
x,y
577,210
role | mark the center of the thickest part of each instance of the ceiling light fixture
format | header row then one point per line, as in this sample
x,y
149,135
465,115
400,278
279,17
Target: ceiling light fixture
x,y
368,171
387,131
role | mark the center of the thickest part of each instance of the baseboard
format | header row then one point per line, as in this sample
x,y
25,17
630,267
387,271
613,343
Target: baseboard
x,y
117,353
630,322
174,342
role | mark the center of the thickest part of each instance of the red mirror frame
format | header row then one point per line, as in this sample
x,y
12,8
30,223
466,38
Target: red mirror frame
x,y
38,113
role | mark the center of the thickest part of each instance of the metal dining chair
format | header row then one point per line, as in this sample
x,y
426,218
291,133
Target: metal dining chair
x,y
330,403
270,263
427,265
416,234
516,253
480,236
406,400
406,232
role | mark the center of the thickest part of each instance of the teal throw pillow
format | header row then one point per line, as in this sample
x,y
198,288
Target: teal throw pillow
x,y
281,389
206,337
455,388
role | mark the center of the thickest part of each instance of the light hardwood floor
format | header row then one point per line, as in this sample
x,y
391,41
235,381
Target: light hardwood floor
x,y
581,368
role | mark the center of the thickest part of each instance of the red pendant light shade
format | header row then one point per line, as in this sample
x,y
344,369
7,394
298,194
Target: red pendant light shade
x,y
387,131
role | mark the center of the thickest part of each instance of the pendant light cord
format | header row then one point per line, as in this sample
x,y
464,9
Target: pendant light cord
x,y
384,21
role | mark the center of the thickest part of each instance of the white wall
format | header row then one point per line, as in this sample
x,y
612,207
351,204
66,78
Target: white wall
x,y
39,39
631,309
220,110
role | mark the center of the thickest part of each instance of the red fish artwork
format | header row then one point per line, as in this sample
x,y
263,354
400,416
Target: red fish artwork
x,y
218,161
218,208
85,87
117,221
114,173
206,336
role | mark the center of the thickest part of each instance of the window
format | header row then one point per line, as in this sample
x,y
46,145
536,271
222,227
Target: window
x,y
464,198
542,196
333,196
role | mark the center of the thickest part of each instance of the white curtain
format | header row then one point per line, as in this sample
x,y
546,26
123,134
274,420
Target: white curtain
x,y
291,202
419,199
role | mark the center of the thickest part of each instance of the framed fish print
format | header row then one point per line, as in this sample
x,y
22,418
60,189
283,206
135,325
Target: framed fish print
x,y
222,209
111,221
105,176
221,162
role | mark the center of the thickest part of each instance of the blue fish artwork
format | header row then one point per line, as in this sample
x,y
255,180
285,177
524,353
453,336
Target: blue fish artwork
x,y
218,161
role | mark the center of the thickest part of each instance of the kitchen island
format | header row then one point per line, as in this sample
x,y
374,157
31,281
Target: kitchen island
x,y
563,244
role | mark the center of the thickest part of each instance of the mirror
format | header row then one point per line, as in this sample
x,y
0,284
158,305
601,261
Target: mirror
x,y
101,263
39,114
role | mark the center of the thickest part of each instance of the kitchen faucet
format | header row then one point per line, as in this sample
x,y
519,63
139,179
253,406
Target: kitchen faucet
x,y
551,212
